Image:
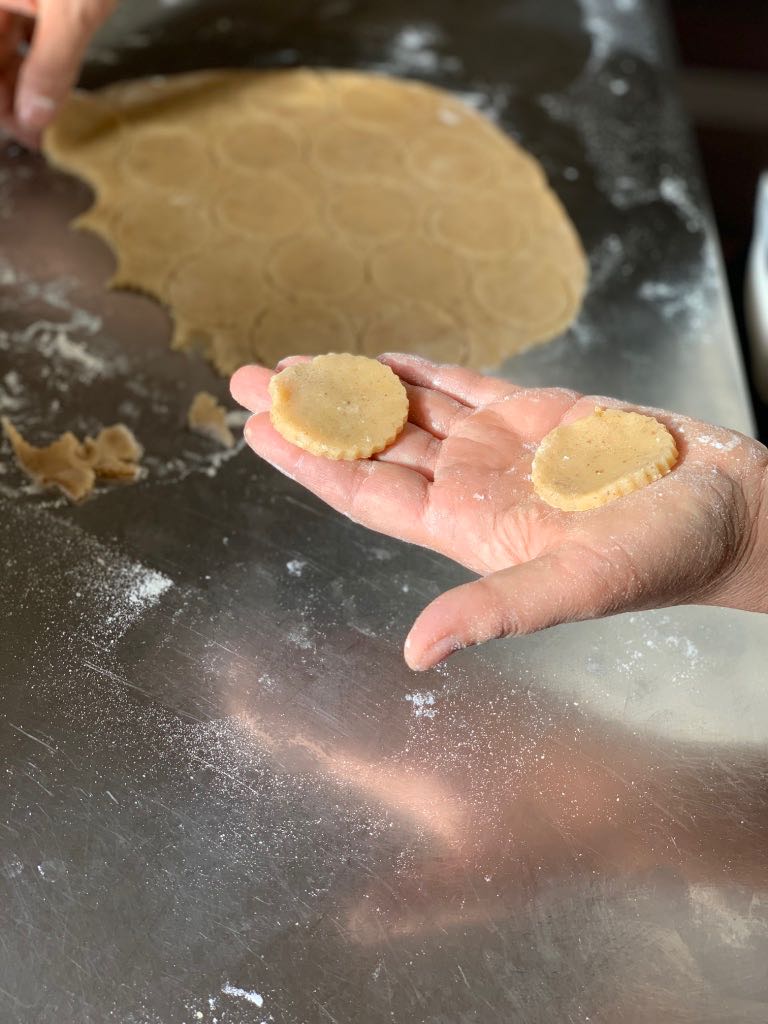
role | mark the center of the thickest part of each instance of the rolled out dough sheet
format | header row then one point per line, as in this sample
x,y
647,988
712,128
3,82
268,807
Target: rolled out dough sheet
x,y
301,211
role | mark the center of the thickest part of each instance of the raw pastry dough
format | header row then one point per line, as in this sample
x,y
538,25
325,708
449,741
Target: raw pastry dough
x,y
73,466
601,457
340,406
302,211
208,418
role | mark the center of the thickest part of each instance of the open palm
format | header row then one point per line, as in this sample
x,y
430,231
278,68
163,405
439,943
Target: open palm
x,y
457,480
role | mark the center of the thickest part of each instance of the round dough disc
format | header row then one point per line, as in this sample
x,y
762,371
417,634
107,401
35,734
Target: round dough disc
x,y
339,406
599,458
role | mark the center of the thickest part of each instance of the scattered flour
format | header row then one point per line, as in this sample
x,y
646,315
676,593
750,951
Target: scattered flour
x,y
414,49
423,704
78,353
240,993
62,362
617,26
295,567
101,594
722,446
146,587
674,190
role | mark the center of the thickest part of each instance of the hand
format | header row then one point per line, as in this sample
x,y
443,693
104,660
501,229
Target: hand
x,y
33,86
457,481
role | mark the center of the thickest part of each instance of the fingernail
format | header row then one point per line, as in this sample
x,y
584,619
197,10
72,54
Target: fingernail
x,y
439,652
34,111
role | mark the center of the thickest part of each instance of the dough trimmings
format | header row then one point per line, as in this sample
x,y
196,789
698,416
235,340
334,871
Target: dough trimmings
x,y
339,406
601,457
233,197
73,466
205,416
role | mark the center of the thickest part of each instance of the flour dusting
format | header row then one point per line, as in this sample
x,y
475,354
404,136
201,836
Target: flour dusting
x,y
99,592
415,50
423,704
240,993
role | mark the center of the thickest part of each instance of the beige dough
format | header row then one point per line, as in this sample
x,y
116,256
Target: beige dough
x,y
301,211
207,417
340,406
600,458
74,466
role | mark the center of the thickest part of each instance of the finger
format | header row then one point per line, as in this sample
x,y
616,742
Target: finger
x,y
27,8
546,591
249,387
414,449
11,35
61,34
291,361
457,382
384,497
433,411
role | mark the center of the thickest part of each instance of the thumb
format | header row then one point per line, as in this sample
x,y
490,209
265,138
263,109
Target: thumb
x,y
61,34
549,590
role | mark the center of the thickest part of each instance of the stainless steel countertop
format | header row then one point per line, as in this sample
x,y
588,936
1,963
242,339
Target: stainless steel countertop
x,y
227,799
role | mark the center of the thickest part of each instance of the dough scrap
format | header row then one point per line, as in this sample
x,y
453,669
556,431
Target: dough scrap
x,y
243,199
207,417
340,406
599,458
74,466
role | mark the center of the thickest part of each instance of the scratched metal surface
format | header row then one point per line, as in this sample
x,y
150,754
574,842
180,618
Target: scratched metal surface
x,y
225,797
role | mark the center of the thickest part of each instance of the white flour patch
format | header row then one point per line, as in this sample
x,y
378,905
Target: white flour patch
x,y
301,637
146,587
736,926
381,554
414,49
674,190
237,418
125,590
295,567
99,592
240,993
11,392
691,298
423,704
617,26
722,446
490,100
76,352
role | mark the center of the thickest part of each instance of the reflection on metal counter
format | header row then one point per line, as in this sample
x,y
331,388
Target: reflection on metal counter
x,y
227,798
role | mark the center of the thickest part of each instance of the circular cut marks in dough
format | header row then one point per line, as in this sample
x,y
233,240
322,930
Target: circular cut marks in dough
x,y
340,406
601,457
233,196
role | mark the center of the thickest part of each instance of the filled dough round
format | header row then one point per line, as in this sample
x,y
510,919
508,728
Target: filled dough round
x,y
339,406
600,458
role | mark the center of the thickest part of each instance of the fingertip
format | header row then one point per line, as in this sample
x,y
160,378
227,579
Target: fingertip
x,y
34,111
248,387
427,645
291,361
254,428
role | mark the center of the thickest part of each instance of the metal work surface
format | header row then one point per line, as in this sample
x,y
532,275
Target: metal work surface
x,y
226,799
